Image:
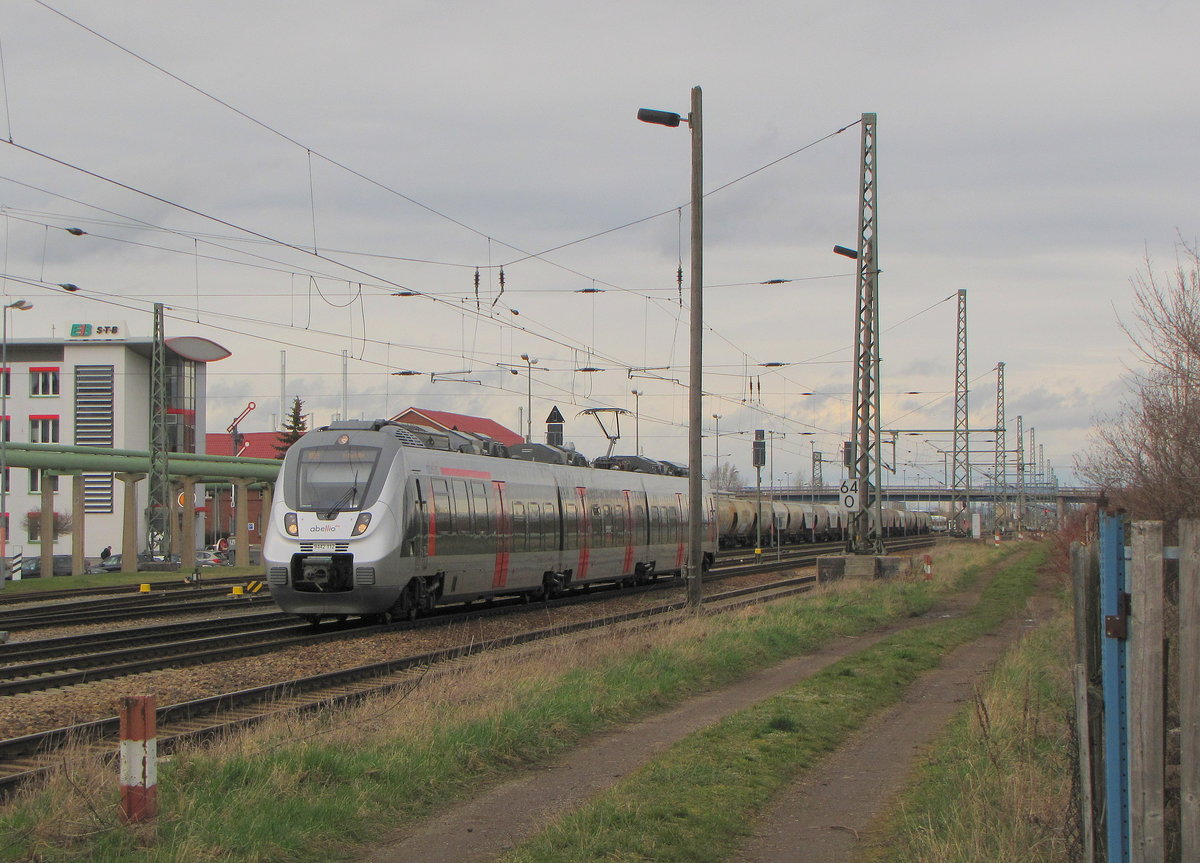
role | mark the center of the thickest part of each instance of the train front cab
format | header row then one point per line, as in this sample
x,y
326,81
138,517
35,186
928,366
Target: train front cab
x,y
333,537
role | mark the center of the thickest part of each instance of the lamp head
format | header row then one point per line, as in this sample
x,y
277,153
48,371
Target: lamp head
x,y
660,118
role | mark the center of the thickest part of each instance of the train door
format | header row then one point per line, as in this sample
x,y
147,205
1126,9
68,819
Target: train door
x,y
584,535
711,511
503,536
418,526
627,564
439,513
681,511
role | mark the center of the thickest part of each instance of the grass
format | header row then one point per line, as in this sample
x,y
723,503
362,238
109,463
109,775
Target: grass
x,y
699,799
997,786
311,789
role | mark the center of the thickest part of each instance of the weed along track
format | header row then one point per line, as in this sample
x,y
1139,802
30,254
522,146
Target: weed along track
x,y
28,755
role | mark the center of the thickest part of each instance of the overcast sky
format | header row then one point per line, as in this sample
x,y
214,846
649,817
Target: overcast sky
x,y
1029,153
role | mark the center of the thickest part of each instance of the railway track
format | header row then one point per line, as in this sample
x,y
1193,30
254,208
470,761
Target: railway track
x,y
34,666
24,757
8,597
156,603
27,757
52,664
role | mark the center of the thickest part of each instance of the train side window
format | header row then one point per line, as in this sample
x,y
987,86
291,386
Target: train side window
x,y
441,505
462,506
547,526
480,508
535,526
570,526
520,543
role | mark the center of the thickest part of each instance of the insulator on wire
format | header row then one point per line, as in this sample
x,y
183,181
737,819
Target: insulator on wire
x,y
499,295
477,289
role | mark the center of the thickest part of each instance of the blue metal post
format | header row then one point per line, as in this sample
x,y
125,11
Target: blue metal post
x,y
1114,673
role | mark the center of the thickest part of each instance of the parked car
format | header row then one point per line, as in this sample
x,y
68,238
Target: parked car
x,y
210,558
112,563
31,567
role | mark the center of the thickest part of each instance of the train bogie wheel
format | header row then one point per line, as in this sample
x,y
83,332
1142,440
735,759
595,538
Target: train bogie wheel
x,y
313,619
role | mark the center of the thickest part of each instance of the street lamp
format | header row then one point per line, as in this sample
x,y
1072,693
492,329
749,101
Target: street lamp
x,y
530,362
771,462
695,410
5,426
637,442
717,445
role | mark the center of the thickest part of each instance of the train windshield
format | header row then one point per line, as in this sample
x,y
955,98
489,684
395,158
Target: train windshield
x,y
332,479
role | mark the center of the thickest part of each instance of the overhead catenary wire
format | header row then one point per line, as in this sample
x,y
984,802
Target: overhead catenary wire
x,y
429,295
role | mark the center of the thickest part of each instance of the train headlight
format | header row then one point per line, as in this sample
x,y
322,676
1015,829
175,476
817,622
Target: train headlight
x,y
364,519
289,524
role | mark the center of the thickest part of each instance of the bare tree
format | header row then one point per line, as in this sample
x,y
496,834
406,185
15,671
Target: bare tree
x,y
725,477
1148,452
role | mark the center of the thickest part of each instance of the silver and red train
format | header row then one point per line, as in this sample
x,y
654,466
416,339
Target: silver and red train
x,y
370,520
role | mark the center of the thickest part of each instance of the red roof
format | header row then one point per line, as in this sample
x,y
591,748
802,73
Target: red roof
x,y
462,422
257,444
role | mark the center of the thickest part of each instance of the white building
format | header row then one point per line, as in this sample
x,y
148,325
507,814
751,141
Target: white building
x,y
93,389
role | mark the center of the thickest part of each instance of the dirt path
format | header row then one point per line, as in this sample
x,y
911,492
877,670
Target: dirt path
x,y
824,816
484,827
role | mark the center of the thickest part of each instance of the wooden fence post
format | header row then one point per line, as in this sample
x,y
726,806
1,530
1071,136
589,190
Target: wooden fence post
x,y
1146,748
1084,753
1189,688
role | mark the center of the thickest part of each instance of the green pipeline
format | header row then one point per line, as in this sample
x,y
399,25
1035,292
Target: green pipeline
x,y
67,459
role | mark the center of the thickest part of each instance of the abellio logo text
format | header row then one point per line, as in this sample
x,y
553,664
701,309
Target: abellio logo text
x,y
322,528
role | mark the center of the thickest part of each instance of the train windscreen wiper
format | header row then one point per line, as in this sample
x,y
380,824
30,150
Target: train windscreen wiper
x,y
347,498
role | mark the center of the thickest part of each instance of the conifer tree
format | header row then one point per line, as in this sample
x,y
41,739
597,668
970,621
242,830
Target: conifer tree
x,y
294,428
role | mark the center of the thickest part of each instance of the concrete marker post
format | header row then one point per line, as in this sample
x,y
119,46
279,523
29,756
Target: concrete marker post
x,y
139,757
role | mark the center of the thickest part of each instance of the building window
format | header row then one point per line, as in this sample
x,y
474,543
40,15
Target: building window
x,y
43,429
43,381
6,382
6,428
35,484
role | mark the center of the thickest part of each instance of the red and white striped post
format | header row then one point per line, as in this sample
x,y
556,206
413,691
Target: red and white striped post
x,y
928,567
139,756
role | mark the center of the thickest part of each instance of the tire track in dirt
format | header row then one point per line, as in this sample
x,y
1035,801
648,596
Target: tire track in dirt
x,y
505,815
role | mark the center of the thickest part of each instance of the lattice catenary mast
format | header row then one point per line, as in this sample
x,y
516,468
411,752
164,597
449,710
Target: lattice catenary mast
x,y
158,504
866,435
1000,468
960,480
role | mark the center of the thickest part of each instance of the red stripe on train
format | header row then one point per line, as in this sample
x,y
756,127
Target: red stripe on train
x,y
462,471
